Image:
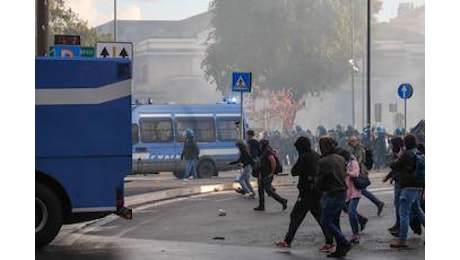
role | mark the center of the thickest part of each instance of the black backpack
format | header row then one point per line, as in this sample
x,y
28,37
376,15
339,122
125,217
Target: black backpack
x,y
369,158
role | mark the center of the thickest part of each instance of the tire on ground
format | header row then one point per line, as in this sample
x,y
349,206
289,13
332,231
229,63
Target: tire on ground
x,y
206,168
48,215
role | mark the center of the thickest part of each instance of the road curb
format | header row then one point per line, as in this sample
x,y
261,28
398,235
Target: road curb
x,y
190,188
136,200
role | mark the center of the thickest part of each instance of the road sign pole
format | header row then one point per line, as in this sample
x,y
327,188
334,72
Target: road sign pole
x,y
405,115
241,118
405,91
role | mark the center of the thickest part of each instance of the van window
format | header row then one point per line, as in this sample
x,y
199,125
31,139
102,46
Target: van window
x,y
134,133
203,128
156,130
227,129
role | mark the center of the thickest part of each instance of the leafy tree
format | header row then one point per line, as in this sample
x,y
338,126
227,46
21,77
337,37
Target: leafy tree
x,y
62,20
303,46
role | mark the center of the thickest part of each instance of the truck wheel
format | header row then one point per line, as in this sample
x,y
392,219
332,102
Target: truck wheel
x,y
206,169
48,215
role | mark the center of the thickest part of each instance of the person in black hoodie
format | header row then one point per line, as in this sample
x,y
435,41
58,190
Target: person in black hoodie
x,y
331,182
306,167
267,172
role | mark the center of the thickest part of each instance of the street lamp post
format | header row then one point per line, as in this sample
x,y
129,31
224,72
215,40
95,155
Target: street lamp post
x,y
368,71
114,20
352,63
354,69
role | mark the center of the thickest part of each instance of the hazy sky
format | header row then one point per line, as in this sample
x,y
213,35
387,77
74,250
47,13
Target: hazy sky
x,y
97,12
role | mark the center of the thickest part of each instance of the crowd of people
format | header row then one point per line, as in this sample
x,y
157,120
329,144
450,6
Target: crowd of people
x,y
326,166
375,138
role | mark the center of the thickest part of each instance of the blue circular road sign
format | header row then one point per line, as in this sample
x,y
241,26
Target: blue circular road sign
x,y
405,91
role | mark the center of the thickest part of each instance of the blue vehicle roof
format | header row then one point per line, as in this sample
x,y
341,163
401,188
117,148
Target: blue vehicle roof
x,y
217,108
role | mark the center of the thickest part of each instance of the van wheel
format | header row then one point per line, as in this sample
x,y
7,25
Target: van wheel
x,y
206,169
48,215
178,174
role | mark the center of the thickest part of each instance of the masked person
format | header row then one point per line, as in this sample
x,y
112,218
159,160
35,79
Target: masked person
x,y
306,167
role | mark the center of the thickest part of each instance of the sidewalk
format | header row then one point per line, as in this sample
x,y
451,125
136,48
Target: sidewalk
x,y
141,189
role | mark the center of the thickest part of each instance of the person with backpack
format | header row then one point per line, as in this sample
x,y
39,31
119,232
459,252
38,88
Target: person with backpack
x,y
268,169
411,190
309,199
254,150
359,151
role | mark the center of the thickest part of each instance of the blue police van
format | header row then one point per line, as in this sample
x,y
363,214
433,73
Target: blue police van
x,y
158,136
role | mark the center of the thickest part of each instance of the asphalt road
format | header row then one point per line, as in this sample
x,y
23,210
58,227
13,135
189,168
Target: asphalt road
x,y
190,227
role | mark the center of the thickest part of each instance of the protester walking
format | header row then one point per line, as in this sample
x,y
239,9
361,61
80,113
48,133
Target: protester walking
x,y
397,145
357,221
411,190
267,172
190,153
358,150
331,182
309,199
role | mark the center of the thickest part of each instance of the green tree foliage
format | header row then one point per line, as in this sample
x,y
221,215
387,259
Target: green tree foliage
x,y
62,20
287,44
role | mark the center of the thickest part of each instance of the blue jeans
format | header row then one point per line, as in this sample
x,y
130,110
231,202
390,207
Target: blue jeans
x,y
332,205
409,200
190,169
371,197
245,179
353,215
396,201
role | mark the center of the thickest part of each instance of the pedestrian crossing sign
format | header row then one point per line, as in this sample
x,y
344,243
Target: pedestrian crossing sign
x,y
241,81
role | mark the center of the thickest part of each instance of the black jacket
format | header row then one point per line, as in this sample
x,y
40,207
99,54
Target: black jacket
x,y
306,167
404,168
331,174
190,150
265,166
254,148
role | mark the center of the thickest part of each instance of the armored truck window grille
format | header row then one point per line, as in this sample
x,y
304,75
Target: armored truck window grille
x,y
135,133
156,130
203,127
227,129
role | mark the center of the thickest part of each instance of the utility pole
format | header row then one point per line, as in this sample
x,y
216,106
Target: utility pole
x,y
41,27
368,71
353,66
114,20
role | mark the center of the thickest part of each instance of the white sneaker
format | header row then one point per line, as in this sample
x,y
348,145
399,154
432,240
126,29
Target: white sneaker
x,y
249,195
